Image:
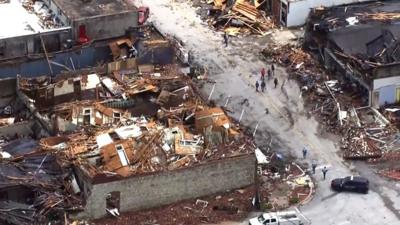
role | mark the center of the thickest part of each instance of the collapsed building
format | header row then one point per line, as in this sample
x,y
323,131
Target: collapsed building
x,y
360,43
354,98
133,133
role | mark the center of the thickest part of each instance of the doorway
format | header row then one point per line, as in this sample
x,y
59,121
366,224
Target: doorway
x,y
113,203
87,113
77,89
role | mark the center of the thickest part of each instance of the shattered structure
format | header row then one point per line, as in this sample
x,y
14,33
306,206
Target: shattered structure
x,y
130,135
341,37
361,42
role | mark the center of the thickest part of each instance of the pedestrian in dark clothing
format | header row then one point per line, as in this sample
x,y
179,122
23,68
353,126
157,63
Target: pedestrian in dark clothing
x,y
262,73
314,166
269,73
257,85
262,85
273,69
226,39
275,82
304,152
324,171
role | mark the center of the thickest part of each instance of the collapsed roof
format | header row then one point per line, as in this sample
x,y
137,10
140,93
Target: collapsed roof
x,y
365,35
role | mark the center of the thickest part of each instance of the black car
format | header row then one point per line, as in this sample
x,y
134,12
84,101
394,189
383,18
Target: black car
x,y
351,183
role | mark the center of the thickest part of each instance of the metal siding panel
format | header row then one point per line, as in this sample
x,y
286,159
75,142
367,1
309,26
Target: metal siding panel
x,y
387,94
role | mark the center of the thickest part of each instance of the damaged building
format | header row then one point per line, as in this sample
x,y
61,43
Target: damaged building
x,y
133,135
48,37
360,43
293,13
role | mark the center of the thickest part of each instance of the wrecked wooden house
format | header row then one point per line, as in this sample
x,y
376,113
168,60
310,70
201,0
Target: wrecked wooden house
x,y
360,43
129,133
134,140
215,125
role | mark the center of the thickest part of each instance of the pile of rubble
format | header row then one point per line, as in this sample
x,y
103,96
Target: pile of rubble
x,y
235,17
393,174
366,132
165,125
43,185
131,117
294,58
47,20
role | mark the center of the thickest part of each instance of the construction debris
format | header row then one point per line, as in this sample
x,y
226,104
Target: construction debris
x,y
393,174
239,17
365,131
47,20
130,119
294,58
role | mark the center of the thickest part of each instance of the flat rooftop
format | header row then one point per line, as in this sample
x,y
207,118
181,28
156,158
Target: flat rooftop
x,y
75,9
16,20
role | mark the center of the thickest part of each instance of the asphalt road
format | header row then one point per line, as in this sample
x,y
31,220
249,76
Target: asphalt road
x,y
287,126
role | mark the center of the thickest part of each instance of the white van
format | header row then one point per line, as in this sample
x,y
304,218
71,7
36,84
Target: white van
x,y
277,218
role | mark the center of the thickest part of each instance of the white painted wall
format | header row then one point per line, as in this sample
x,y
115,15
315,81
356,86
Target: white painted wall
x,y
67,86
63,87
382,82
386,87
93,81
65,125
299,9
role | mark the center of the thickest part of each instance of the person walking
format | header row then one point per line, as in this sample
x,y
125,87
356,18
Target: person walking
x,y
314,166
262,85
269,74
226,39
273,69
257,85
262,73
305,150
324,171
275,82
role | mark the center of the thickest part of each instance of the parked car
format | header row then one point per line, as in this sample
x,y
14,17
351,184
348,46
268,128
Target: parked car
x,y
276,218
351,183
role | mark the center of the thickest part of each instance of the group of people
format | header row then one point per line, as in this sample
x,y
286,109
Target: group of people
x,y
270,73
314,164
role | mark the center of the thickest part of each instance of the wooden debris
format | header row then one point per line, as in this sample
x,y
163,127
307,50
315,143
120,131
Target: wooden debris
x,y
380,16
243,17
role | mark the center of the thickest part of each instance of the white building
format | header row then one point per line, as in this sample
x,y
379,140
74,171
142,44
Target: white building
x,y
293,13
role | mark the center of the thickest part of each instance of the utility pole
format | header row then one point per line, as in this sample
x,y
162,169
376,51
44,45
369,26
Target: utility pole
x,y
47,56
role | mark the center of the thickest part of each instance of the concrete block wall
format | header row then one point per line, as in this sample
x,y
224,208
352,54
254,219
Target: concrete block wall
x,y
22,128
107,26
141,192
20,46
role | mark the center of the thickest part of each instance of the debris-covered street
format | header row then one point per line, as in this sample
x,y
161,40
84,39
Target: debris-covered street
x,y
234,70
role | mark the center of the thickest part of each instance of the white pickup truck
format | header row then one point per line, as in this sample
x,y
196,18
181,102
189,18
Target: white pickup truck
x,y
277,218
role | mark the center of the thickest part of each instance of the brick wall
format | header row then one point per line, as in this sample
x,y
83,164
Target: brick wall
x,y
141,192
